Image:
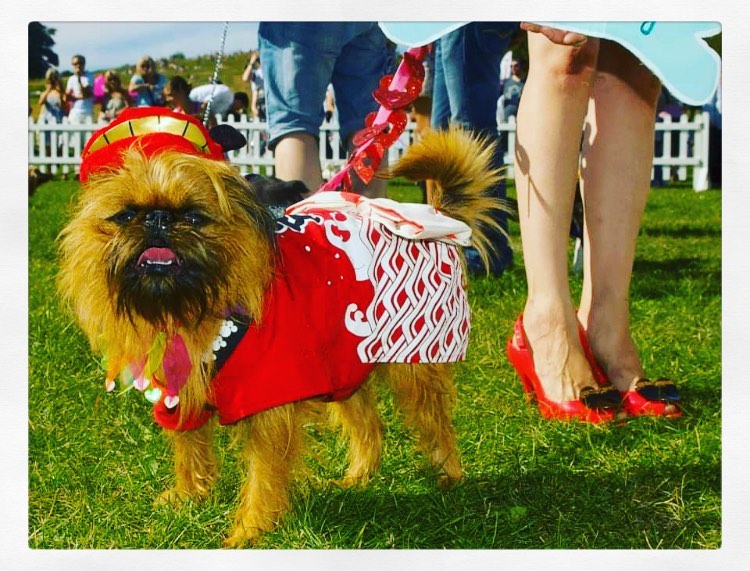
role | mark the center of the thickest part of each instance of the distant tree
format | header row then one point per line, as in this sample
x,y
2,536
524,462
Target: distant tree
x,y
177,56
41,55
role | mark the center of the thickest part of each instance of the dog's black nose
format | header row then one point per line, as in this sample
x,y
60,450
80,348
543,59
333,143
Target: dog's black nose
x,y
159,219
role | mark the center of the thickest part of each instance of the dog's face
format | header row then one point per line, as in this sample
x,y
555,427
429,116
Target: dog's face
x,y
165,238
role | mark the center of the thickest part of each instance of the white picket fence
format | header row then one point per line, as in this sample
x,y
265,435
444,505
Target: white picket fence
x,y
56,147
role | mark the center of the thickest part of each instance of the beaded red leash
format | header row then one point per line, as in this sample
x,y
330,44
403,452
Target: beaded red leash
x,y
383,127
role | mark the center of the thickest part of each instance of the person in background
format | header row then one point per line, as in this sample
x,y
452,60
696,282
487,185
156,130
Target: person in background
x,y
115,99
253,76
420,111
300,59
51,103
177,96
466,88
146,84
668,108
512,88
80,92
52,99
219,95
714,138
240,105
580,359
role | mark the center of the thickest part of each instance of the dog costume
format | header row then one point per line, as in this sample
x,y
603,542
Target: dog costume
x,y
357,282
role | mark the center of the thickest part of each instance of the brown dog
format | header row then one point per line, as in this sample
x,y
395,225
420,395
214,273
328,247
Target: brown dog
x,y
170,262
37,178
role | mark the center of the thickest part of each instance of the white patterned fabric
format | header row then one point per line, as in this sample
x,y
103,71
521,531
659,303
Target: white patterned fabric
x,y
419,312
413,221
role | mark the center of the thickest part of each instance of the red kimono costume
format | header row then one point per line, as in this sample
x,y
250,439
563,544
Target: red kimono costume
x,y
348,293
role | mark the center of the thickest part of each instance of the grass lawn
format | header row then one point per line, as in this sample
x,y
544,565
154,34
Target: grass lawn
x,y
97,461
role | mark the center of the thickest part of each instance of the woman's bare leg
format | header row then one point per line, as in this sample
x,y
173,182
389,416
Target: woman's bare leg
x,y
616,178
550,121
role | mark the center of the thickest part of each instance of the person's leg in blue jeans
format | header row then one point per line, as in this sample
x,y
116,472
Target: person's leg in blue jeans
x,y
465,92
300,59
441,108
363,61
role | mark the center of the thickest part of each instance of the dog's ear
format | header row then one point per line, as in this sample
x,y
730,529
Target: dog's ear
x,y
228,137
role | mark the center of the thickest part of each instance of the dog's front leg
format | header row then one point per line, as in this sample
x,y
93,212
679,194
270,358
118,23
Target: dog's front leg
x,y
271,444
195,464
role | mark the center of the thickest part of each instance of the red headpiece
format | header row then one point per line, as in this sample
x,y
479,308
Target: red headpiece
x,y
153,129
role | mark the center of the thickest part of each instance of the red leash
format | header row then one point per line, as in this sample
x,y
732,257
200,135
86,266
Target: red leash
x,y
383,127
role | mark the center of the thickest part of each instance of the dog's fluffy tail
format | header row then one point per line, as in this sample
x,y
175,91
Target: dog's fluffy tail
x,y
460,164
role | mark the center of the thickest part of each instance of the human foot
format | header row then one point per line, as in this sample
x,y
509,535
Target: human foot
x,y
614,358
564,389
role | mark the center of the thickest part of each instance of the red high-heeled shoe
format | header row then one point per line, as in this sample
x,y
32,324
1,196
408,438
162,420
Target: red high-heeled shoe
x,y
599,374
595,405
651,397
647,398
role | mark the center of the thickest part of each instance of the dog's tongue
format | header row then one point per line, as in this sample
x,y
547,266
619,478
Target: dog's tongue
x,y
157,256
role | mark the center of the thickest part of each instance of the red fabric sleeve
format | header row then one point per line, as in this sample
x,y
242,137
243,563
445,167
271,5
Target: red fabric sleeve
x,y
170,418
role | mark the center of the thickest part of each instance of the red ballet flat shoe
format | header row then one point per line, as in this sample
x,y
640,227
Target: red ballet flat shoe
x,y
647,398
595,405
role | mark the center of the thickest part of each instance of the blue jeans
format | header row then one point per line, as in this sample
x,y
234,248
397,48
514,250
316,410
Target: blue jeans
x,y
300,59
465,92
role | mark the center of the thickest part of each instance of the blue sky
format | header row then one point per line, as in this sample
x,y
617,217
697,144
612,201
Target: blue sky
x,y
112,44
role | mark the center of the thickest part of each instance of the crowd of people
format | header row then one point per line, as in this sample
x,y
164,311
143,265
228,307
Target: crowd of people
x,y
78,98
83,93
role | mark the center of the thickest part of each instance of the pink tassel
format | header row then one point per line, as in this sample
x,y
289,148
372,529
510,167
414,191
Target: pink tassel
x,y
176,364
138,368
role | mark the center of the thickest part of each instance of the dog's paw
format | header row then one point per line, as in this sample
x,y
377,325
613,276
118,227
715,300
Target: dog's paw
x,y
447,481
448,468
171,497
347,482
450,473
242,537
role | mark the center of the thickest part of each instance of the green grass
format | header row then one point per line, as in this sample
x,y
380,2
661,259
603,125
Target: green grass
x,y
96,461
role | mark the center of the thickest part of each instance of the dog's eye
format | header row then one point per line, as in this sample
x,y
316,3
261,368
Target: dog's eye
x,y
123,217
195,218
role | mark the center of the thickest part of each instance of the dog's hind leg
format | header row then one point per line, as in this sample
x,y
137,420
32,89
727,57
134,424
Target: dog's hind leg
x,y
195,465
360,424
271,444
425,393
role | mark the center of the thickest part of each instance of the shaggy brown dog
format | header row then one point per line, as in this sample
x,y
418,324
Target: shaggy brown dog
x,y
162,246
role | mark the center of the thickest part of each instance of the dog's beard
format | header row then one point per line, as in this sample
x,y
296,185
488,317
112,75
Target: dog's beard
x,y
168,280
170,242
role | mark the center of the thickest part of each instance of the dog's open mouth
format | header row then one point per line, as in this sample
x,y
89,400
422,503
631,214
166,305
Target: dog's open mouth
x,y
158,261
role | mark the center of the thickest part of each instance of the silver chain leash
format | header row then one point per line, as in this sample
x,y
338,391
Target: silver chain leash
x,y
215,78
